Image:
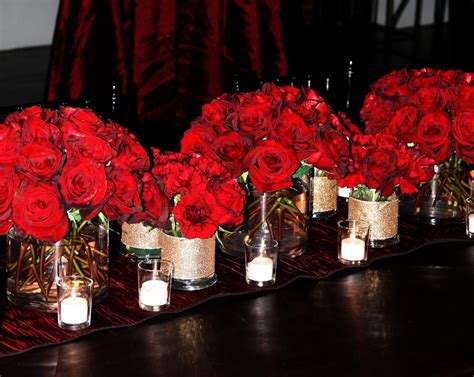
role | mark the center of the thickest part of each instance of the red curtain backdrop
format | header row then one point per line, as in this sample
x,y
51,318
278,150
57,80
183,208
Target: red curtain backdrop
x,y
168,56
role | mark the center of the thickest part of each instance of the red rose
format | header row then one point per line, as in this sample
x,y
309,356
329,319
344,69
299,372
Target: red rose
x,y
210,169
404,123
463,133
89,147
463,98
422,78
198,139
230,197
38,211
271,166
83,183
35,130
287,93
9,141
250,120
216,111
392,84
414,167
376,113
230,150
375,158
40,160
131,155
85,122
197,214
126,198
433,135
8,185
290,130
333,151
156,205
429,99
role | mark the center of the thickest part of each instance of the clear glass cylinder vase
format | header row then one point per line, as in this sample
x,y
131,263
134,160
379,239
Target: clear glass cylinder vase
x,y
34,267
283,214
442,199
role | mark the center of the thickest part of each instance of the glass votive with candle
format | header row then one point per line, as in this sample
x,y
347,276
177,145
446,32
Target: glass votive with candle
x,y
470,217
261,257
154,284
74,302
352,241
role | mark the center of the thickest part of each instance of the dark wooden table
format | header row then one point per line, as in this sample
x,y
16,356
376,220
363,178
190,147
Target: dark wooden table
x,y
409,315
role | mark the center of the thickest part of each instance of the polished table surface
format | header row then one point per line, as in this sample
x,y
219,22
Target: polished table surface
x,y
410,315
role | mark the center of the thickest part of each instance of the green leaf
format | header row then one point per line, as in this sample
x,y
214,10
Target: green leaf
x,y
74,215
302,170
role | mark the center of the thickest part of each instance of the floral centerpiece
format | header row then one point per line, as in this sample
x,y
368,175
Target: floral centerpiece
x,y
63,174
432,110
265,138
202,198
381,166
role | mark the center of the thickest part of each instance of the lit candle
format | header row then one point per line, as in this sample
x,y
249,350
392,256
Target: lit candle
x,y
74,310
471,223
343,192
260,269
154,293
352,249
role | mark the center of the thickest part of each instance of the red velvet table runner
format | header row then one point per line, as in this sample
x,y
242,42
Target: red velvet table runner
x,y
21,330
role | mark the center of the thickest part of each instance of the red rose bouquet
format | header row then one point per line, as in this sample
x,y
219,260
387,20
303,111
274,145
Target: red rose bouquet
x,y
203,194
60,172
380,165
267,139
269,134
433,111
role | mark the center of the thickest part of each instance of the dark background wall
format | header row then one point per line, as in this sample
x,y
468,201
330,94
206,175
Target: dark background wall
x,y
336,46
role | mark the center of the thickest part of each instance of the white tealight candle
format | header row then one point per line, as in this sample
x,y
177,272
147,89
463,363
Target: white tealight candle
x,y
352,249
154,293
471,223
343,192
74,310
260,269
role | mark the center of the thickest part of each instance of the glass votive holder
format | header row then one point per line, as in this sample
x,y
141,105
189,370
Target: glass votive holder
x,y
470,217
261,257
352,242
74,302
154,284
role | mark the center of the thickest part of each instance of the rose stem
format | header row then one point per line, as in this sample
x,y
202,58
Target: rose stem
x,y
280,222
20,262
296,229
269,212
38,277
41,256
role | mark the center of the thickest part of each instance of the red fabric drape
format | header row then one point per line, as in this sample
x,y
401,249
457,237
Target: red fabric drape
x,y
170,56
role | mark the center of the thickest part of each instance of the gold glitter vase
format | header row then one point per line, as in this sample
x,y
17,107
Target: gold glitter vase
x,y
382,217
194,261
323,197
283,213
140,241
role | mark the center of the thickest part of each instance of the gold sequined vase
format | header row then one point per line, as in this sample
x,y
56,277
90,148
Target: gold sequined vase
x,y
323,197
194,261
140,241
382,217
